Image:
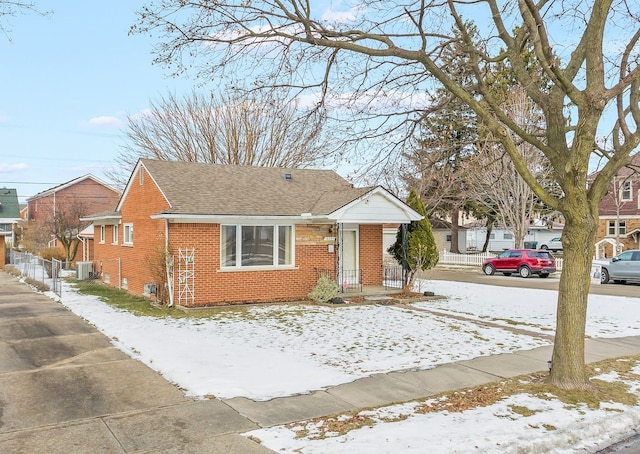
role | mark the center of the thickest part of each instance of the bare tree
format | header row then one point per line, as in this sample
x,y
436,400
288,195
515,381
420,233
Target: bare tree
x,y
63,224
9,8
494,180
222,130
34,236
394,49
437,167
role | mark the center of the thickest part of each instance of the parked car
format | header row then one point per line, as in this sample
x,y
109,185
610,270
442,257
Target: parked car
x,y
622,268
525,262
554,244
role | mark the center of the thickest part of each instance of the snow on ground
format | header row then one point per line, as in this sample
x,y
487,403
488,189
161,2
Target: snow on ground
x,y
532,309
279,350
268,351
553,427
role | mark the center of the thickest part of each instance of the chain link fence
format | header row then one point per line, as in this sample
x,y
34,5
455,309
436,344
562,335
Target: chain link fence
x,y
46,272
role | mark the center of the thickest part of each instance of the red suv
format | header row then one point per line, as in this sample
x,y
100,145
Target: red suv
x,y
525,262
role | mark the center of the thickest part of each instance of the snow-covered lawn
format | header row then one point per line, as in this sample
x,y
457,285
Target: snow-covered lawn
x,y
519,423
269,351
532,309
264,352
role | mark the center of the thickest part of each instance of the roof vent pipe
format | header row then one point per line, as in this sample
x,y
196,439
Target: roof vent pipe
x,y
287,176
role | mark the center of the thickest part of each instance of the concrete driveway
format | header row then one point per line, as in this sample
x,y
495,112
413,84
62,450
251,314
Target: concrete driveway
x,y
64,388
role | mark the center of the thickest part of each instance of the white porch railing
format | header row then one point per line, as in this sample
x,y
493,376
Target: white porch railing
x,y
449,258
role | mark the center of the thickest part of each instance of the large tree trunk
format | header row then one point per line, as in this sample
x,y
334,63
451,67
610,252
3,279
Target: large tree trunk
x,y
455,214
568,364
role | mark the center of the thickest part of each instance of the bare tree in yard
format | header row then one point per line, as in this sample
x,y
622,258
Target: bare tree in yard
x,y
495,182
63,223
591,88
35,236
437,165
260,131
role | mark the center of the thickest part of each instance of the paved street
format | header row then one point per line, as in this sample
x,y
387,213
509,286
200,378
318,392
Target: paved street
x,y
475,275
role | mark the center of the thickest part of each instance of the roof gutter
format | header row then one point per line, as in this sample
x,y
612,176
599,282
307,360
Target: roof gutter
x,y
231,217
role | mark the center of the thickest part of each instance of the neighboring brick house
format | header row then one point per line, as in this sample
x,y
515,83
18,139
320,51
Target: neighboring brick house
x,y
619,211
71,200
240,234
87,191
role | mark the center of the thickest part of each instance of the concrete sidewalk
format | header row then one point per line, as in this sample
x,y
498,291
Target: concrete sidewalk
x,y
64,388
393,387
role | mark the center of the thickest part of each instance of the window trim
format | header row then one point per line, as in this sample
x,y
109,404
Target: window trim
x,y
276,239
615,227
626,188
127,239
114,234
102,234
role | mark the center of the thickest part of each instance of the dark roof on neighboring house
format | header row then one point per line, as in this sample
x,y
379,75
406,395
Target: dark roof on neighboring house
x,y
9,206
228,190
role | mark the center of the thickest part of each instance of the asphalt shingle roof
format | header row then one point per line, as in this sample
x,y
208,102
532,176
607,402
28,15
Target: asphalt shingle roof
x,y
210,189
9,206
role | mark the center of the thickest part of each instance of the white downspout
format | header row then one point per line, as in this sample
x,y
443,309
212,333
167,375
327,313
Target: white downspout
x,y
167,264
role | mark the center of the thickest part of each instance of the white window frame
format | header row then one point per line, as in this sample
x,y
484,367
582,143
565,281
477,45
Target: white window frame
x,y
276,238
114,234
102,234
616,227
127,234
626,191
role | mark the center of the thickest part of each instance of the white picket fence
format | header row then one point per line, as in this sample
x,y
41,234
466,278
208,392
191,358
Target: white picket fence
x,y
449,258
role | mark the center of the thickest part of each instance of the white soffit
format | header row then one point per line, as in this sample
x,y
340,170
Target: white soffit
x,y
376,207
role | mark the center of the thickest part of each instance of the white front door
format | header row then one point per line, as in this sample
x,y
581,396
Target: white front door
x,y
349,257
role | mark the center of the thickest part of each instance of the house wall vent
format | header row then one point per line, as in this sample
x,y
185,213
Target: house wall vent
x,y
287,176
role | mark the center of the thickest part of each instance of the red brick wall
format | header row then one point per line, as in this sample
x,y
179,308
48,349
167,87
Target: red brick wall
x,y
94,197
213,286
371,254
141,202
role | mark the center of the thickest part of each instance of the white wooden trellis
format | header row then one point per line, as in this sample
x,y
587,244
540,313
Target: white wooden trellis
x,y
186,276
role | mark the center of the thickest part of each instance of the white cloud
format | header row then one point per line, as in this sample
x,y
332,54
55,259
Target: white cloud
x,y
105,121
13,168
381,101
343,17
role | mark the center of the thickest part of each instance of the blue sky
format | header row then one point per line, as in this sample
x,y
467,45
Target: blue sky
x,y
67,84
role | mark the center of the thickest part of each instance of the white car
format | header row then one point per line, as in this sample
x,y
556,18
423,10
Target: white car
x,y
554,244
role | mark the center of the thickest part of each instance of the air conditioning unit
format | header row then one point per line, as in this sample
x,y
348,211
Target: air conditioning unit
x,y
84,270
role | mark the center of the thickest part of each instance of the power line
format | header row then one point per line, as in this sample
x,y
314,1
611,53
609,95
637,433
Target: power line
x,y
26,182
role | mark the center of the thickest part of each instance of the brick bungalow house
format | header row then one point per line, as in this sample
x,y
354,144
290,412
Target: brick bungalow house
x,y
619,211
240,234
